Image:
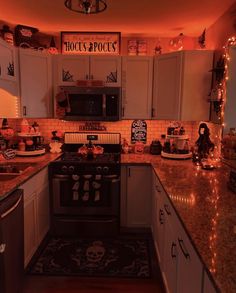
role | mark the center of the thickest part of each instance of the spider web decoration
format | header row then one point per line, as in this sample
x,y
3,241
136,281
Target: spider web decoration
x,y
112,77
10,69
67,76
202,39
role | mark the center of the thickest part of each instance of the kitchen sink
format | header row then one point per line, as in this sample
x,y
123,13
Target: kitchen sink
x,y
13,169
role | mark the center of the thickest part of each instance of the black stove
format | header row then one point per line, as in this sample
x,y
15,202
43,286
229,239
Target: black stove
x,y
72,162
85,187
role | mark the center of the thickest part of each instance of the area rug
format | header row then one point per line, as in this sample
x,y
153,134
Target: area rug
x,y
94,257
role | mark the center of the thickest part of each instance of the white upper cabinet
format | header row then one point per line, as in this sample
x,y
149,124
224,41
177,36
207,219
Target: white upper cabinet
x,y
35,83
8,61
69,68
9,81
182,83
137,74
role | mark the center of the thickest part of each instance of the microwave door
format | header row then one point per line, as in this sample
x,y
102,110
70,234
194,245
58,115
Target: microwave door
x,y
86,106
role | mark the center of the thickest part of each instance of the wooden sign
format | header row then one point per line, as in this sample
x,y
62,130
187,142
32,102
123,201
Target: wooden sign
x,y
139,131
92,43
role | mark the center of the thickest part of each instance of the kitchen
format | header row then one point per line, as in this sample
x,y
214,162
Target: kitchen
x,y
135,212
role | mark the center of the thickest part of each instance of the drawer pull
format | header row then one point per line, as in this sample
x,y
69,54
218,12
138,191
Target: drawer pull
x,y
161,215
183,248
167,209
173,250
158,189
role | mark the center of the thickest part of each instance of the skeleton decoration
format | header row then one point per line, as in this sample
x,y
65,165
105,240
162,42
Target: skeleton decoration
x,y
95,253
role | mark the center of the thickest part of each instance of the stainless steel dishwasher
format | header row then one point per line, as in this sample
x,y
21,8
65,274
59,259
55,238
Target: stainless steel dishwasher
x,y
12,243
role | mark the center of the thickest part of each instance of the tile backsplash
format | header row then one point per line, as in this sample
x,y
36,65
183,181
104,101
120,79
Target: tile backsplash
x,y
155,128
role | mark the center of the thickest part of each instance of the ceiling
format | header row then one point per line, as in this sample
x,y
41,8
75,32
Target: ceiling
x,y
164,18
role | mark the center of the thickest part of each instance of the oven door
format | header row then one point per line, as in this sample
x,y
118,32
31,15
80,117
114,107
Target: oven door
x,y
86,195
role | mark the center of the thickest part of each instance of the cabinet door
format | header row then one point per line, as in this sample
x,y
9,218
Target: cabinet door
x,y
190,268
138,196
36,83
69,68
170,258
43,212
196,85
8,66
159,220
167,86
30,227
106,68
137,73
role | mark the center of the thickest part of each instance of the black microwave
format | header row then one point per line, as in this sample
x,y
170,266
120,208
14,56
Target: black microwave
x,y
92,103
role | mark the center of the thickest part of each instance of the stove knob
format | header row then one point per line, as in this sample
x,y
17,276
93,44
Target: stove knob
x,y
105,170
99,169
64,169
71,169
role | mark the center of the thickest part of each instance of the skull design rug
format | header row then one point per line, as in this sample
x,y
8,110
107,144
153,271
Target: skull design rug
x,y
94,257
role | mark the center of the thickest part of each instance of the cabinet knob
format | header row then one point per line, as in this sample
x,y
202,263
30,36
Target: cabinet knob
x,y
183,249
153,113
167,209
24,110
161,216
2,247
173,252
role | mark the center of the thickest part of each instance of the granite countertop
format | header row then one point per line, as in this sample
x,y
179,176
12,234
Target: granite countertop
x,y
207,209
38,163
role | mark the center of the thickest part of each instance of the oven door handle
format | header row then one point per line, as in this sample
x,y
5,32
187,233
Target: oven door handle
x,y
61,177
112,179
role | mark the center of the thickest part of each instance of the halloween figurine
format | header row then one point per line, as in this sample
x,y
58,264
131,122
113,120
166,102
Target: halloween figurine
x,y
204,144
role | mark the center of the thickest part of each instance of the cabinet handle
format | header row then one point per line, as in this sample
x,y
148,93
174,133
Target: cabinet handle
x,y
86,76
2,247
183,248
24,110
173,250
167,209
129,172
123,111
161,215
158,189
153,112
11,209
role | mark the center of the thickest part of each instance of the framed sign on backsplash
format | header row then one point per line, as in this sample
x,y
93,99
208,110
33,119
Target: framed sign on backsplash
x,y
139,131
92,43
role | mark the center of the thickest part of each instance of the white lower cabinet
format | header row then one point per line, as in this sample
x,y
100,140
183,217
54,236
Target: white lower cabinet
x,y
36,212
180,265
136,196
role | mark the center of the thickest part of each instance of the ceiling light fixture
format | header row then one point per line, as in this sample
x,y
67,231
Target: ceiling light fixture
x,y
86,6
